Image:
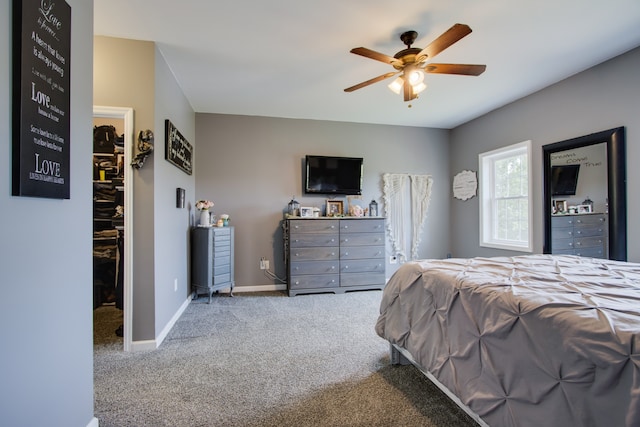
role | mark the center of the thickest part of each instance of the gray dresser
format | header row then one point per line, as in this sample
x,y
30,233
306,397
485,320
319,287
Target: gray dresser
x,y
583,235
212,260
334,255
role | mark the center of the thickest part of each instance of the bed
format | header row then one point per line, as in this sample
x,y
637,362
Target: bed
x,y
539,340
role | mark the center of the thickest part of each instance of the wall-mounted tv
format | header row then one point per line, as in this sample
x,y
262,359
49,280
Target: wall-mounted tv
x,y
333,175
564,180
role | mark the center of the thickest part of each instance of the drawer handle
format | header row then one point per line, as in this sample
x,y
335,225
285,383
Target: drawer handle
x,y
296,240
333,240
346,226
346,254
333,253
333,226
333,281
297,254
578,232
295,226
346,267
297,282
333,267
297,268
346,240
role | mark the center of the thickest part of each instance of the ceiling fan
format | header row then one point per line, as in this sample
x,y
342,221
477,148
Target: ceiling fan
x,y
411,63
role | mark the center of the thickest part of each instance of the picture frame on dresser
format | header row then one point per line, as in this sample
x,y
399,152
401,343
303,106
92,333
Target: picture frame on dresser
x,y
306,212
583,209
335,207
560,206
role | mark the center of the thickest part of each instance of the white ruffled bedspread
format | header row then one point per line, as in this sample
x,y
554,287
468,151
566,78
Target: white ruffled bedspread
x,y
535,340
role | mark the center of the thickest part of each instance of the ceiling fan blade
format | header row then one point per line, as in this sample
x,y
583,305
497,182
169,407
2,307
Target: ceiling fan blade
x,y
372,54
448,38
462,69
371,81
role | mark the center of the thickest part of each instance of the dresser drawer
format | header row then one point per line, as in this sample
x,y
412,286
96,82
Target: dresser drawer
x,y
222,278
315,281
362,252
362,266
588,242
221,260
361,239
312,254
314,267
313,226
221,269
562,221
308,239
362,226
589,220
588,230
558,244
595,252
361,279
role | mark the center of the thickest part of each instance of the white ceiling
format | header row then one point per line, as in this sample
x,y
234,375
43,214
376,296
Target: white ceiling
x,y
290,58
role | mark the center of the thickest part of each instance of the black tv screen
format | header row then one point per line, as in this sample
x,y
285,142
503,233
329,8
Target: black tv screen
x,y
564,180
333,175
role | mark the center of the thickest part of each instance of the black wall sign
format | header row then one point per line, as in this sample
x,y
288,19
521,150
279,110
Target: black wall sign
x,y
177,149
41,98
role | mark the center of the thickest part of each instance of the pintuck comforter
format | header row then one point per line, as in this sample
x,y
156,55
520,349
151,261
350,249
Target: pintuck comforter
x,y
536,340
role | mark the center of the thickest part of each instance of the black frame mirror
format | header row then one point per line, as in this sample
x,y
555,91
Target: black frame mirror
x,y
617,186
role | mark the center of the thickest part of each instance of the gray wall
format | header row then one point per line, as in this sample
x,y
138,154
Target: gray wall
x,y
251,167
601,98
171,225
133,73
46,263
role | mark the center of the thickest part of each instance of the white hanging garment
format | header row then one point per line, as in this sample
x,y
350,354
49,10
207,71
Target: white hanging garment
x,y
420,197
394,205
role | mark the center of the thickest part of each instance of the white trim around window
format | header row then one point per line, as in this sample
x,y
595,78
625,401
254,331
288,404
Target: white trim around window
x,y
505,198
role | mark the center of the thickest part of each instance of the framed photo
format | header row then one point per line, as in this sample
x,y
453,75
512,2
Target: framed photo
x,y
584,209
306,212
560,206
335,208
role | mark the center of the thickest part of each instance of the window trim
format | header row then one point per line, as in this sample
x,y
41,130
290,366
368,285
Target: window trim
x,y
484,200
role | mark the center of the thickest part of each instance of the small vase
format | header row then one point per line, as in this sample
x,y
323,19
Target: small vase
x,y
204,218
225,222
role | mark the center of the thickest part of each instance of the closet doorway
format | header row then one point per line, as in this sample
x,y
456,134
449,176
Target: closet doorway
x,y
123,220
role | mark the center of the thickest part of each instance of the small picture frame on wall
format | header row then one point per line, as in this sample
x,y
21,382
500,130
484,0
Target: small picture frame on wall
x,y
306,212
560,206
335,208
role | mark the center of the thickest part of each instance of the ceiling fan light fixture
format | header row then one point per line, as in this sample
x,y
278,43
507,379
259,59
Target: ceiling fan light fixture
x,y
419,87
416,77
396,85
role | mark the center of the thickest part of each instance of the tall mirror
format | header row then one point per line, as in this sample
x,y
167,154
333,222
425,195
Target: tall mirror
x,y
585,196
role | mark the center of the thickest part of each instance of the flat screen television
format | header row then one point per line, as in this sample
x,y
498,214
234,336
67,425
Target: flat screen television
x,y
564,180
333,175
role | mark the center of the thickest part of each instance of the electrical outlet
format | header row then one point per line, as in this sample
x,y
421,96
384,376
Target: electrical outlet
x,y
393,259
264,263
175,285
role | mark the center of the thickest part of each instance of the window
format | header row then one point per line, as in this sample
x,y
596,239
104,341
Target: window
x,y
505,198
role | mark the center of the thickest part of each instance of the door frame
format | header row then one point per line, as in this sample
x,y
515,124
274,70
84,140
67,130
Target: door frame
x,y
125,114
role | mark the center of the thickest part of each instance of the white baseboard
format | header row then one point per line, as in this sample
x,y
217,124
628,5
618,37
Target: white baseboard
x,y
260,288
94,422
147,345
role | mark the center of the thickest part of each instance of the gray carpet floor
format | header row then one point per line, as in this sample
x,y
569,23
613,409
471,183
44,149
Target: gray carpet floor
x,y
266,360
